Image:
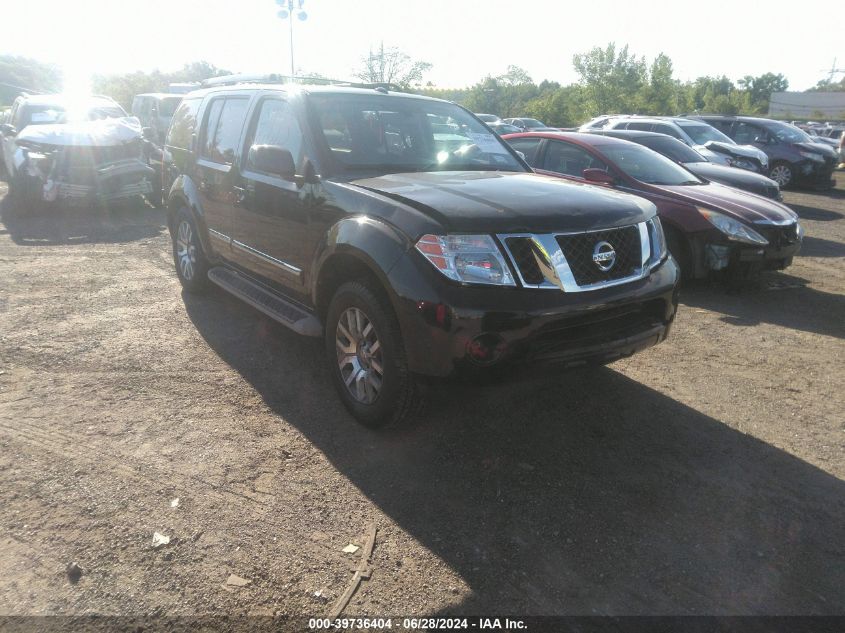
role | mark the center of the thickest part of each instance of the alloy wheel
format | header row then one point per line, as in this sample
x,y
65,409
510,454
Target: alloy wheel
x,y
781,174
186,250
359,355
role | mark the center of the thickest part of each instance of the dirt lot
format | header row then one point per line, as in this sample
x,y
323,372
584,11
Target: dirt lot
x,y
702,476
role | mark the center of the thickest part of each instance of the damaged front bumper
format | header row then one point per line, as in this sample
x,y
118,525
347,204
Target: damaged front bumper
x,y
109,182
784,243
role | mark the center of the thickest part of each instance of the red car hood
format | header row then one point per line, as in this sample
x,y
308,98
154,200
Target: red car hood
x,y
742,205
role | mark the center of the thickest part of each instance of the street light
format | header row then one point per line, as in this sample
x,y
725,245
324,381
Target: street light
x,y
286,13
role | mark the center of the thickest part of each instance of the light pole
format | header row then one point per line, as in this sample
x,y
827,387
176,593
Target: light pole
x,y
286,13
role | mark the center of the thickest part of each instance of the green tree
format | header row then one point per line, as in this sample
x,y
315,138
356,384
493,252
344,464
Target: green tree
x,y
123,87
22,74
611,79
760,89
392,66
660,94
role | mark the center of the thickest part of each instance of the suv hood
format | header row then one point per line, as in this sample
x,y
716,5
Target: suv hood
x,y
742,205
505,202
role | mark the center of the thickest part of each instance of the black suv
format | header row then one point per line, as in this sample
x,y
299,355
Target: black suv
x,y
410,237
794,159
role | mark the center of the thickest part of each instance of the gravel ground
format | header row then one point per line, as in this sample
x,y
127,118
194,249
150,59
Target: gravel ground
x,y
704,476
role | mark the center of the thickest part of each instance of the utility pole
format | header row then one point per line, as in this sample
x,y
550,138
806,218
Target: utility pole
x,y
286,13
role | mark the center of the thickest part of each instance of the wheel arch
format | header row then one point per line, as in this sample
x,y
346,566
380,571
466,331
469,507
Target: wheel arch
x,y
185,195
356,248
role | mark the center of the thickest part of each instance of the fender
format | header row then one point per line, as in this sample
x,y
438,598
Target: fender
x,y
375,243
185,194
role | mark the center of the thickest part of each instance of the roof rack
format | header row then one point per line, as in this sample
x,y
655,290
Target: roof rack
x,y
274,78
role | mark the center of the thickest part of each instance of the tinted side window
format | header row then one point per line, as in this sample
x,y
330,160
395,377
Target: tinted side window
x,y
745,133
563,158
184,124
277,125
226,119
663,128
639,125
527,146
720,124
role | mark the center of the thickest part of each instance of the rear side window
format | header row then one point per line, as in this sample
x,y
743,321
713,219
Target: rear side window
x,y
640,126
663,128
563,158
225,122
527,146
184,124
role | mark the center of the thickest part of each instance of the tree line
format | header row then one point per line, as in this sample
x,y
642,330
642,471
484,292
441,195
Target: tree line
x,y
610,80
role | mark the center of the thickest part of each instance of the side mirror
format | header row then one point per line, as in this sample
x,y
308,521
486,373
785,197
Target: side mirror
x,y
599,176
272,159
8,129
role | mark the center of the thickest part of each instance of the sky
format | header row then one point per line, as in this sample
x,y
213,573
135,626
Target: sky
x,y
464,40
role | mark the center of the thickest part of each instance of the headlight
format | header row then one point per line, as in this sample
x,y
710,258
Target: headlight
x,y
812,156
734,229
658,242
473,259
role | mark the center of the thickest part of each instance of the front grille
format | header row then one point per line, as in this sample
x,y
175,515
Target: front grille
x,y
779,236
524,260
579,248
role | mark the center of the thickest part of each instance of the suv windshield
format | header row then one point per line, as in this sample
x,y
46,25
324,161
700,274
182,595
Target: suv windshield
x,y
787,133
675,150
701,134
402,134
648,166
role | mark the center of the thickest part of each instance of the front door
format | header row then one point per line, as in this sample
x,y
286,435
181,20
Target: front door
x,y
270,229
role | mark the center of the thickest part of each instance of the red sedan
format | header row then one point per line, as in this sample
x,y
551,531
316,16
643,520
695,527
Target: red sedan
x,y
709,227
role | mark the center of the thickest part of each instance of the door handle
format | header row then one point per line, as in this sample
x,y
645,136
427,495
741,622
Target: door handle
x,y
240,195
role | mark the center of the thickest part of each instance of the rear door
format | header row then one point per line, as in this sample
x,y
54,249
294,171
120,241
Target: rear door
x,y
270,227
219,142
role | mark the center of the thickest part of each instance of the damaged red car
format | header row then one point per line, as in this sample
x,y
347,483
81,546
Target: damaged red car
x,y
709,227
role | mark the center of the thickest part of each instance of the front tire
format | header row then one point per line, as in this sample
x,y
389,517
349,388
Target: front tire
x,y
367,358
781,172
188,255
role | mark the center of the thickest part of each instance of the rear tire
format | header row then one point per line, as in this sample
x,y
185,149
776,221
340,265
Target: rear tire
x,y
188,255
366,357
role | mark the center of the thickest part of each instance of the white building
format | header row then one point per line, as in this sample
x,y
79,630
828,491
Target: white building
x,y
807,105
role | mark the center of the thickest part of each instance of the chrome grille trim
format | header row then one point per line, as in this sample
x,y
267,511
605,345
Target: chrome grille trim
x,y
556,270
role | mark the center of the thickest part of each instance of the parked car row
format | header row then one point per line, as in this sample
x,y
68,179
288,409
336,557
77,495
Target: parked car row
x,y
709,226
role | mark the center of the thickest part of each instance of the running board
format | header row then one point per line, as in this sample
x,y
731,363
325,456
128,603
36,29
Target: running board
x,y
271,304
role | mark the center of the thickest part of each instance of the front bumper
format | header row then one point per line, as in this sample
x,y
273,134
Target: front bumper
x,y
810,173
115,181
450,328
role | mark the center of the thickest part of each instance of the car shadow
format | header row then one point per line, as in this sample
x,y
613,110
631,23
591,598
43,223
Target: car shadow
x,y
816,214
820,247
776,298
583,493
66,225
